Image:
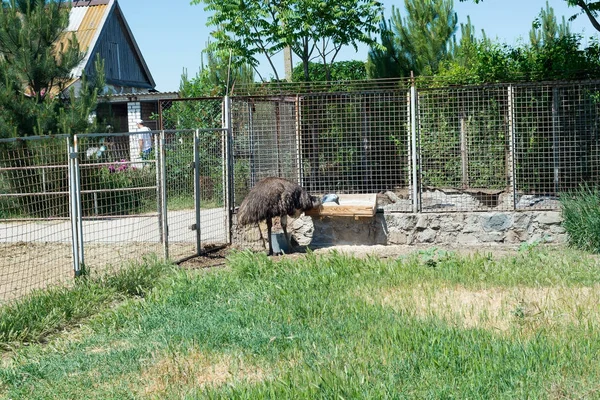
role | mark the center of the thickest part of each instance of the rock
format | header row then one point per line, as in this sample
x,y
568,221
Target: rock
x,y
496,222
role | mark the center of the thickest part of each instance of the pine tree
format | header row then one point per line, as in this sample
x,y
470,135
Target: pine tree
x,y
545,29
36,60
420,41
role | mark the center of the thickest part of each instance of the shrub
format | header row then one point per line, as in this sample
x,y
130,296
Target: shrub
x,y
109,182
581,214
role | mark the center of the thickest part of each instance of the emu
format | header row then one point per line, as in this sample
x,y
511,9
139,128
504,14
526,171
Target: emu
x,y
275,197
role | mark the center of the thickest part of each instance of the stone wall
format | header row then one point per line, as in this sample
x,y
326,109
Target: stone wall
x,y
434,228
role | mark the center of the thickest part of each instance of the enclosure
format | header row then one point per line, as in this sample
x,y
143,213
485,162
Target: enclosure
x,y
471,162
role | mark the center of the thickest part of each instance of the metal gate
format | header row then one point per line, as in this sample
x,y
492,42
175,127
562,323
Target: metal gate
x,y
195,199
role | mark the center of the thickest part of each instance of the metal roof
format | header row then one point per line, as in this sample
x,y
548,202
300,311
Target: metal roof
x,y
152,96
86,20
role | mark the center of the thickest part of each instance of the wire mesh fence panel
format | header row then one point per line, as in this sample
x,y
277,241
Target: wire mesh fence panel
x,y
180,119
179,181
213,226
355,142
118,181
464,149
265,141
557,141
35,230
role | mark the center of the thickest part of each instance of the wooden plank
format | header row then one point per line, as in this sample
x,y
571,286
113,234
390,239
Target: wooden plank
x,y
351,205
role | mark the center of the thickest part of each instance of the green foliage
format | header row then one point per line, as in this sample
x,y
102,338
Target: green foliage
x,y
312,29
387,60
339,71
545,28
36,59
581,214
487,62
421,40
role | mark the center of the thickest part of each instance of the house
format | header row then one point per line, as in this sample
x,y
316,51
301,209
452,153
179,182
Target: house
x,y
102,30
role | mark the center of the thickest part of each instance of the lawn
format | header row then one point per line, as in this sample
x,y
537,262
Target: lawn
x,y
430,325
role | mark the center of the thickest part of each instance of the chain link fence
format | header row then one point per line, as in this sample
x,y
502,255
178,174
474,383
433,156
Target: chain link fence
x,y
93,201
497,147
35,229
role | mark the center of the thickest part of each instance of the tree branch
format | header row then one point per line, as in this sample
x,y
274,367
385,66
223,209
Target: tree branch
x,y
588,12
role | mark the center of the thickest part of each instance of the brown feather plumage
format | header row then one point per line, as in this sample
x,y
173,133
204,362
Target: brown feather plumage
x,y
274,197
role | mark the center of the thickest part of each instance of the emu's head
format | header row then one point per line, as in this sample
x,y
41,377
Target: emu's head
x,y
316,202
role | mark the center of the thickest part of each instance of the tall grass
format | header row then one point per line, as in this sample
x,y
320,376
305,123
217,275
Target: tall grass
x,y
581,213
33,318
334,326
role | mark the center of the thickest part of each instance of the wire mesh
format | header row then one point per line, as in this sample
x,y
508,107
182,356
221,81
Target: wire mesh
x,y
181,212
181,119
480,148
557,141
119,193
265,141
329,143
213,228
464,142
35,231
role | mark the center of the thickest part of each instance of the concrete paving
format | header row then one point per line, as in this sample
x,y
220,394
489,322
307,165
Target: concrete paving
x,y
142,228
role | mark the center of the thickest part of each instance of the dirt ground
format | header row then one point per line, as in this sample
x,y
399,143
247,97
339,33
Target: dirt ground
x,y
25,267
381,251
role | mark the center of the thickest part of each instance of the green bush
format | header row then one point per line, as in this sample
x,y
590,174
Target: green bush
x,y
111,190
581,214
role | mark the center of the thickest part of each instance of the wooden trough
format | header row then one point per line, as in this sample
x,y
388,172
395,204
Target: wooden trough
x,y
351,205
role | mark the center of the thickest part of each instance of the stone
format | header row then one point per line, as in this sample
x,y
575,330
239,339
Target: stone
x,y
471,224
549,218
492,237
397,237
426,236
521,221
496,222
392,196
423,222
466,239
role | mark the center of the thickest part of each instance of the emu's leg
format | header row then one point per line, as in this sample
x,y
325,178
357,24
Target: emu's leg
x,y
269,225
283,220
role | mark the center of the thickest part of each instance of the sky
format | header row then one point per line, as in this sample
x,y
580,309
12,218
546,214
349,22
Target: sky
x,y
172,34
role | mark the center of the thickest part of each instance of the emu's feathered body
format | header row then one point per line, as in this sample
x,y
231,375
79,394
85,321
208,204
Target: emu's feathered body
x,y
274,197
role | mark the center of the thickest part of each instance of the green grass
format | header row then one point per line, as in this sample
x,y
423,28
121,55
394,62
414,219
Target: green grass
x,y
581,213
334,326
44,312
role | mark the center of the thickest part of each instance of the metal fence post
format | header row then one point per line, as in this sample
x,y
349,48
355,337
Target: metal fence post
x,y
413,149
72,207
197,192
511,158
163,184
76,214
228,166
159,186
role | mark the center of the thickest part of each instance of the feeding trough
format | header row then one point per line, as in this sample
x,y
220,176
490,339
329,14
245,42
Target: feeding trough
x,y
350,205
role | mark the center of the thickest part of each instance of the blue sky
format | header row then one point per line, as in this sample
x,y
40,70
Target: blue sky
x,y
171,34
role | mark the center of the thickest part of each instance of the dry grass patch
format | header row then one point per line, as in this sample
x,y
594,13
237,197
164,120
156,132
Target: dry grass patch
x,y
196,370
498,309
